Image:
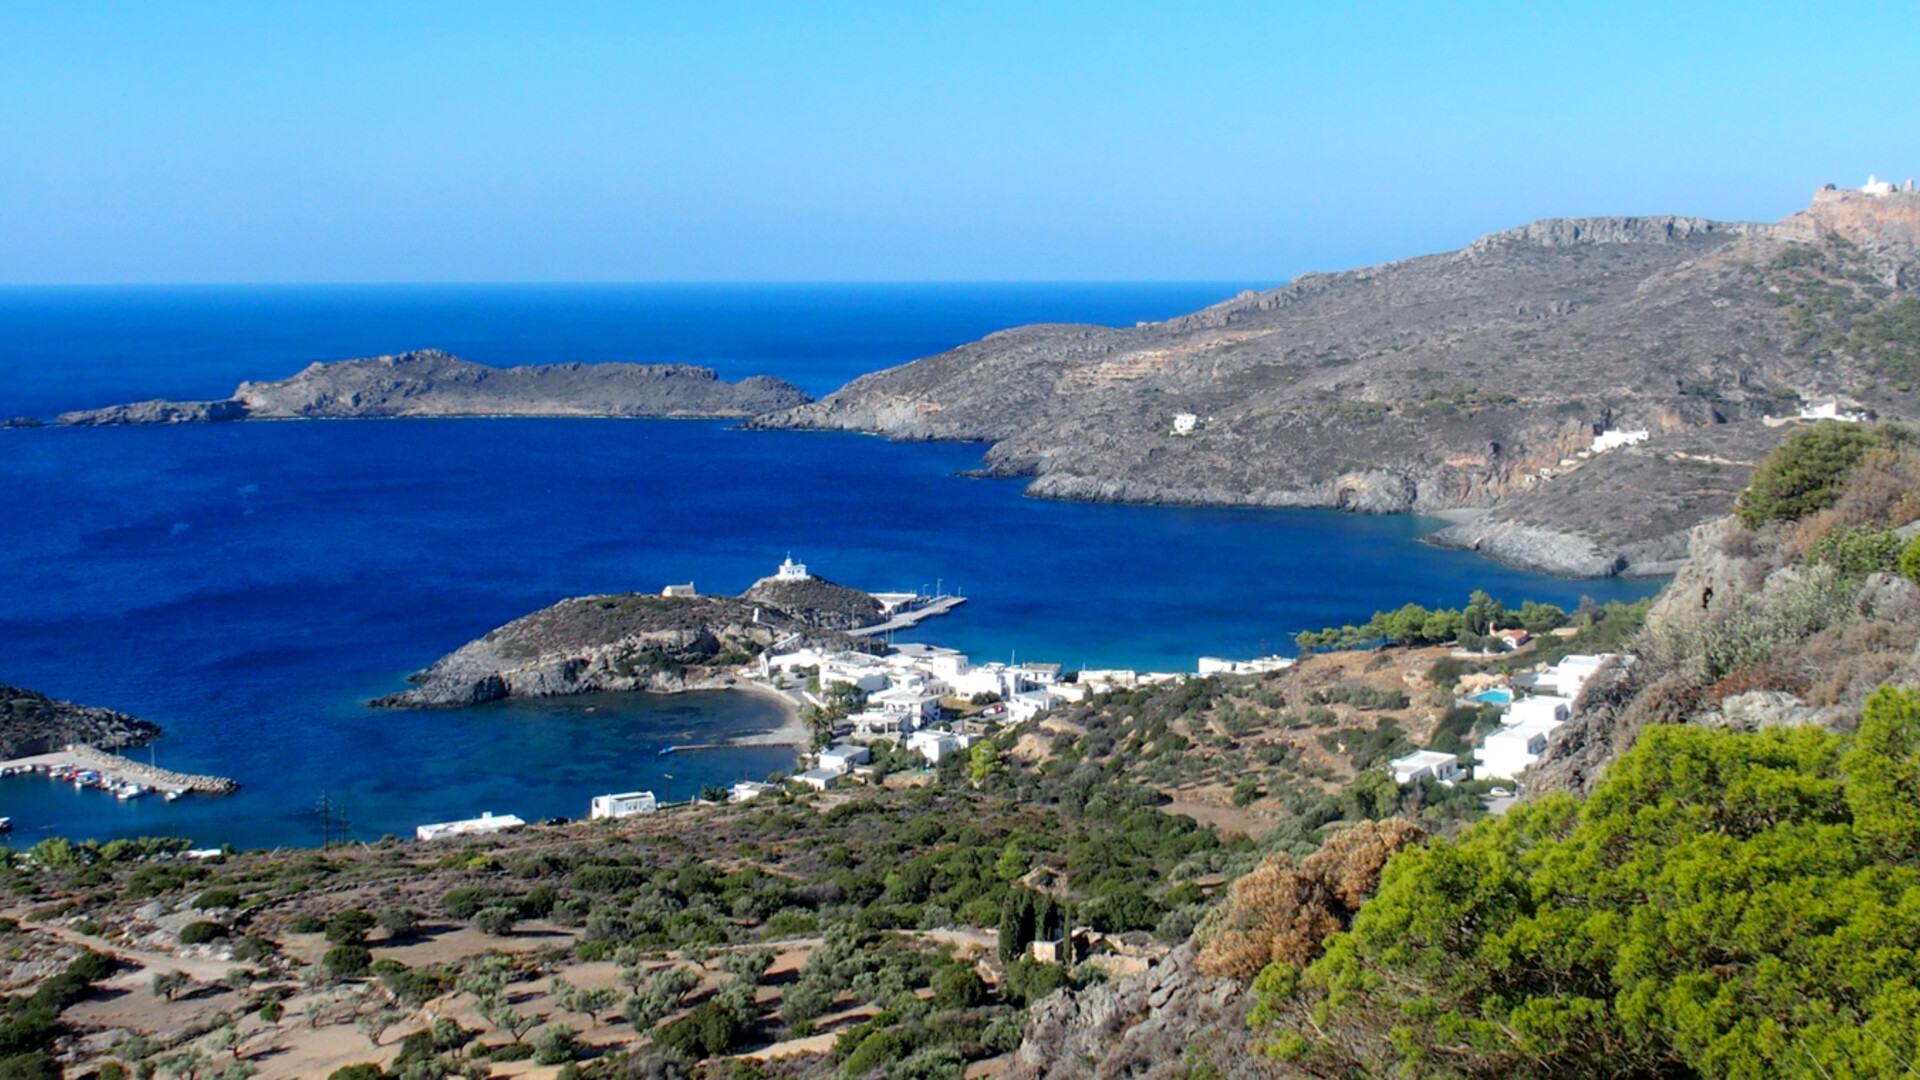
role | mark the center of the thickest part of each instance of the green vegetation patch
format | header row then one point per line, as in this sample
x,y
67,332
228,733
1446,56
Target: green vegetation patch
x,y
1726,904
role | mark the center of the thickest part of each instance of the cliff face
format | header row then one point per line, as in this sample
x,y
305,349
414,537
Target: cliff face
x,y
1474,379
434,383
621,642
32,723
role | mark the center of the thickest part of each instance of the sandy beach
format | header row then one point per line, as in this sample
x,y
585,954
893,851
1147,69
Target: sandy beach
x,y
792,731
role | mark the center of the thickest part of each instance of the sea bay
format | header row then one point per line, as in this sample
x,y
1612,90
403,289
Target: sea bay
x,y
248,586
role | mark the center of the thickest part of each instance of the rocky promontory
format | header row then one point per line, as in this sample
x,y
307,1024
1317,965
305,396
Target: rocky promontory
x,y
625,642
33,723
433,383
1472,380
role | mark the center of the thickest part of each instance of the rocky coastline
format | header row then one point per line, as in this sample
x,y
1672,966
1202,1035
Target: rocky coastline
x,y
1470,380
431,383
632,642
32,723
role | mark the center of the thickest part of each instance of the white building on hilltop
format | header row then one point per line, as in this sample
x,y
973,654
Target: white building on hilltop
x,y
792,571
1184,423
672,591
624,805
1880,189
487,822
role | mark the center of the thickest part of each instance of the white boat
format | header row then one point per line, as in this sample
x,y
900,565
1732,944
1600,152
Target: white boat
x,y
6,824
129,791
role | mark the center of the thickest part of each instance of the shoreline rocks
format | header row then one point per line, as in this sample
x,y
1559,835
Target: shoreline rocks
x,y
32,723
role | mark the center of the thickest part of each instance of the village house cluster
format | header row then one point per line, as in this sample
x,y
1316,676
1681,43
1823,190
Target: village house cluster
x,y
901,693
1527,723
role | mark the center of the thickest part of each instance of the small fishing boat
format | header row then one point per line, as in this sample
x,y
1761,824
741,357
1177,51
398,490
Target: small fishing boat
x,y
6,824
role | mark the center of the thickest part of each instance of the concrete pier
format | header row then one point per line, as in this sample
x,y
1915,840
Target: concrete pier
x,y
937,606
117,768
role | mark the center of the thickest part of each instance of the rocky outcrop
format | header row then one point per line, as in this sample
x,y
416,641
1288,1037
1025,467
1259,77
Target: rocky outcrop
x,y
817,602
1163,1024
33,723
434,383
1475,379
617,642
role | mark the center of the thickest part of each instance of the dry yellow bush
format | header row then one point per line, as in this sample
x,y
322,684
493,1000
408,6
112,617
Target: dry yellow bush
x,y
1283,912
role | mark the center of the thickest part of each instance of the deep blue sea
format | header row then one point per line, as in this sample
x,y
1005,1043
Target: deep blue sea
x,y
248,586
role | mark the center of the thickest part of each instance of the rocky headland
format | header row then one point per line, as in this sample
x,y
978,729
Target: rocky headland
x,y
635,641
1474,380
430,383
33,723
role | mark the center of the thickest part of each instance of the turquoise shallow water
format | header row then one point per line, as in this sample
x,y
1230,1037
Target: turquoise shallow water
x,y
248,586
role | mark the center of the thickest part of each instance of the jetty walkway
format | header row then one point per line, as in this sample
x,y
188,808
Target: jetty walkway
x,y
117,768
938,606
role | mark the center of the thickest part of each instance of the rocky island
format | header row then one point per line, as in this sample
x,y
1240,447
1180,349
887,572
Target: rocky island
x,y
433,383
1482,380
637,641
33,723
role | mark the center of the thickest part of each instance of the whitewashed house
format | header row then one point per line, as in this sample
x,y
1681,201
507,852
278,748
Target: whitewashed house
x,y
859,670
842,757
487,822
1545,707
879,724
817,779
1506,753
1425,765
934,745
746,790
917,706
623,805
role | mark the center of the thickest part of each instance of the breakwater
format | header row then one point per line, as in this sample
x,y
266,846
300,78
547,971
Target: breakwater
x,y
117,768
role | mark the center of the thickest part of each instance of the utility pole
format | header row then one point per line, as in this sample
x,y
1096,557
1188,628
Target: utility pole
x,y
326,821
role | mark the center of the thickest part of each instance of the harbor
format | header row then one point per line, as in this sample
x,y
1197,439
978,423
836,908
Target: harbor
x,y
90,767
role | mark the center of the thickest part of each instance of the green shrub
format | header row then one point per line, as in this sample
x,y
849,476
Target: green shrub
x,y
364,1071
1910,561
956,986
497,920
36,1065
221,897
465,902
91,966
1806,474
307,924
556,1045
347,961
199,933
349,927
710,1029
1857,552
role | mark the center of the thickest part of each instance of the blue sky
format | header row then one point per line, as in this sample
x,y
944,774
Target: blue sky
x,y
290,142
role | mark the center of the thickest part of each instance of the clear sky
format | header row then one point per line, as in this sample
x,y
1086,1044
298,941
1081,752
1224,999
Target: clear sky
x,y
707,140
